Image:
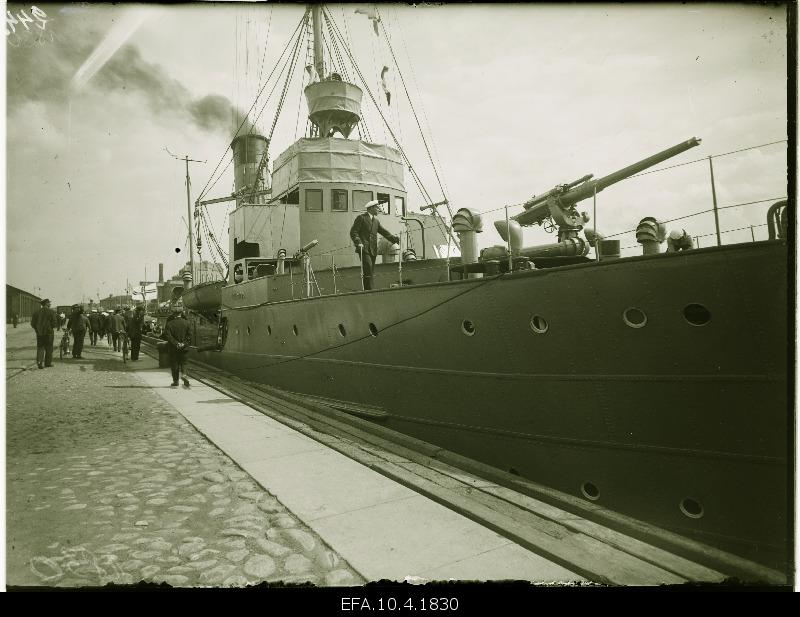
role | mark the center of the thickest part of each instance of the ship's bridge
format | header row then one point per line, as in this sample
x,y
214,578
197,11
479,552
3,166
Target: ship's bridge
x,y
330,180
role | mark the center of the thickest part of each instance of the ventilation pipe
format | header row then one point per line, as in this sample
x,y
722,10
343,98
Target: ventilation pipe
x,y
387,251
281,261
650,234
467,224
512,229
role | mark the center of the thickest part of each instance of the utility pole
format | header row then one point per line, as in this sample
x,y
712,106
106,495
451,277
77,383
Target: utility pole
x,y
187,160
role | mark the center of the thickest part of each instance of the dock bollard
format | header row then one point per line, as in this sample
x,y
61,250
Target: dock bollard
x,y
163,354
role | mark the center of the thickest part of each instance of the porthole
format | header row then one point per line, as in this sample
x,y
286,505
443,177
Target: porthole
x,y
468,328
294,330
539,324
590,491
269,330
248,329
634,317
691,508
342,331
237,331
373,329
696,314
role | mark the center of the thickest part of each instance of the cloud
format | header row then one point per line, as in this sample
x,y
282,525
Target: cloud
x,y
47,73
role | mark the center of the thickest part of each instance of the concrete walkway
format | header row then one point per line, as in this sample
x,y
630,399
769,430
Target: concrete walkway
x,y
112,476
383,529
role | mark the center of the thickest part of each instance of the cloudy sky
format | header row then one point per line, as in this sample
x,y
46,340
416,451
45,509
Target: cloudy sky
x,y
513,99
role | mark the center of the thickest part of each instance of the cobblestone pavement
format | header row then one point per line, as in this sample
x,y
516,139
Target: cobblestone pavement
x,y
107,483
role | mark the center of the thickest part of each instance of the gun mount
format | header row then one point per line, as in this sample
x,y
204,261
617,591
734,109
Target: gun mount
x,y
559,202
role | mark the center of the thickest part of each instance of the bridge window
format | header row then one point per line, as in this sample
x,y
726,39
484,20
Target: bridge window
x,y
400,206
292,197
338,200
360,199
385,203
313,200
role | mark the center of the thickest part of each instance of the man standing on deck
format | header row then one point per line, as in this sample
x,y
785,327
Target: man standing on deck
x,y
178,335
43,321
364,234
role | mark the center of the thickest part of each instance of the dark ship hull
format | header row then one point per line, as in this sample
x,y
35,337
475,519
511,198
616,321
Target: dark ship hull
x,y
654,386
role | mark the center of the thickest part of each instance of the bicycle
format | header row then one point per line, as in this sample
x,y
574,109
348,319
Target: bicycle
x,y
63,347
124,337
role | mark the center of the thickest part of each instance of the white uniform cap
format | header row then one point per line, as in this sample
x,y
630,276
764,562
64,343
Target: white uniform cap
x,y
675,234
374,202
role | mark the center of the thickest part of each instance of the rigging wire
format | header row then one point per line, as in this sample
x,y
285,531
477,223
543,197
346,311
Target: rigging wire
x,y
522,204
375,103
278,110
416,118
686,216
419,95
337,66
244,119
253,123
302,89
703,160
266,44
469,289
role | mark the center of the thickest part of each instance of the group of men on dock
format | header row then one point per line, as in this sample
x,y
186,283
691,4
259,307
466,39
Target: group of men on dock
x,y
122,322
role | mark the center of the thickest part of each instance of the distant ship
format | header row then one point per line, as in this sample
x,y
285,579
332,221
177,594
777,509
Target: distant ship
x,y
655,385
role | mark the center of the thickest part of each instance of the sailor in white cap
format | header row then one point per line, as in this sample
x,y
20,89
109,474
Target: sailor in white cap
x,y
679,240
364,234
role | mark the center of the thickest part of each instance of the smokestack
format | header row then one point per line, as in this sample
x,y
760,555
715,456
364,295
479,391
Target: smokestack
x,y
248,149
160,273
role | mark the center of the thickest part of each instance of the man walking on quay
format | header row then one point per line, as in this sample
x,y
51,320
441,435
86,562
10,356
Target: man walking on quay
x,y
94,323
364,234
134,330
116,325
78,324
43,321
178,335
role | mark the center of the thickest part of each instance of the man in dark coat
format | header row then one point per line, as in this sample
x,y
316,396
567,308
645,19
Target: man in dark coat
x,y
94,324
78,324
116,326
364,234
134,329
178,334
43,321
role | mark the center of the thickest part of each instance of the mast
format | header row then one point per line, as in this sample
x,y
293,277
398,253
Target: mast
x,y
189,220
319,63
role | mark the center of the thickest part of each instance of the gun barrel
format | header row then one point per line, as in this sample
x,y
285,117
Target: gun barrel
x,y
537,208
598,185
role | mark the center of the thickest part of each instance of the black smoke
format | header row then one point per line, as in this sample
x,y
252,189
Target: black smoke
x,y
44,72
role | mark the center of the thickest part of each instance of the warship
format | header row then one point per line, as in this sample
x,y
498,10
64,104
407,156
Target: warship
x,y
652,385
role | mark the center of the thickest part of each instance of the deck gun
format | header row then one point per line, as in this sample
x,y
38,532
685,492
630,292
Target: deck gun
x,y
559,202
